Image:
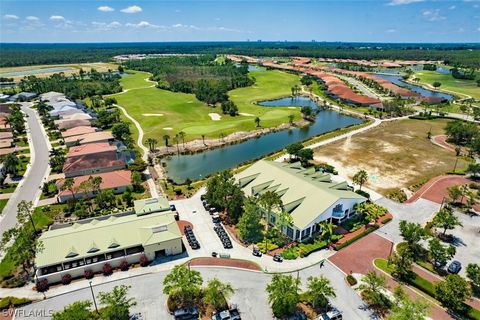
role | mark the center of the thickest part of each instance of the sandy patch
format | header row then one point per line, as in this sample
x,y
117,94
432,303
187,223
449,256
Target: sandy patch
x,y
215,116
152,114
168,128
246,114
189,101
292,107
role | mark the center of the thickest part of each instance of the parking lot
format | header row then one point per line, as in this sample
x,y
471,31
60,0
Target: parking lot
x,y
249,296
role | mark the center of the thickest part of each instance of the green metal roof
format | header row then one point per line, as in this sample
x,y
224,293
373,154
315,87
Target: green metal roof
x,y
103,235
305,193
150,205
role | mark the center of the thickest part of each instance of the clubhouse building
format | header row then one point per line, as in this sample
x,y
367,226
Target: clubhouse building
x,y
309,196
91,243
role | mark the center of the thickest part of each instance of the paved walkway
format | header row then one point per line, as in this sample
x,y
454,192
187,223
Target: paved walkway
x,y
358,259
6,195
436,189
150,181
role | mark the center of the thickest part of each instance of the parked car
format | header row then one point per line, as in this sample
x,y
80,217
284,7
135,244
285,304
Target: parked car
x,y
454,267
202,197
215,218
277,257
332,314
256,252
186,313
232,314
173,208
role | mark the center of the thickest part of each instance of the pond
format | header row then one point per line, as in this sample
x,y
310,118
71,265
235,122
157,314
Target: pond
x,y
297,101
35,71
424,92
200,165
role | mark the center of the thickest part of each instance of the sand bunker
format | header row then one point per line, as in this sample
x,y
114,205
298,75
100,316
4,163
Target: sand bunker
x,y
246,114
152,114
168,128
215,116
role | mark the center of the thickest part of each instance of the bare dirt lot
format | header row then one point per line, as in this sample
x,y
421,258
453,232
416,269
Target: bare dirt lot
x,y
395,154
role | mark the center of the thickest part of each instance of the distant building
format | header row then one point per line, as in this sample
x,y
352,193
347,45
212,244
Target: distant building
x,y
89,244
94,137
23,96
309,196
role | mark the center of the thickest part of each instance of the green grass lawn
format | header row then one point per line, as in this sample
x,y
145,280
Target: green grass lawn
x,y
3,203
42,217
449,83
183,112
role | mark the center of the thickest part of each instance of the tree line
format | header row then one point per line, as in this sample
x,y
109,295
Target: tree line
x,y
85,84
202,75
462,55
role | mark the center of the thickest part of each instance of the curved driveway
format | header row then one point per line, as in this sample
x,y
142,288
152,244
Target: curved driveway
x,y
29,188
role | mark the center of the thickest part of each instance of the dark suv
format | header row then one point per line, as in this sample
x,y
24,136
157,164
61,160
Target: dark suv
x,y
186,313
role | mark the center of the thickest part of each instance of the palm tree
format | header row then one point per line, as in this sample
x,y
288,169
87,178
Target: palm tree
x,y
203,139
217,293
183,284
68,184
327,229
360,178
319,290
176,139
181,134
166,137
151,144
290,118
257,121
222,136
283,294
373,282
268,202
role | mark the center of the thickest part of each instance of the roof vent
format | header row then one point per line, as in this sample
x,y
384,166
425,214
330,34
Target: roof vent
x,y
150,201
158,229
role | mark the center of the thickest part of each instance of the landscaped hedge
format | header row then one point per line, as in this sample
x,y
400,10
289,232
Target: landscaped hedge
x,y
357,237
6,302
363,193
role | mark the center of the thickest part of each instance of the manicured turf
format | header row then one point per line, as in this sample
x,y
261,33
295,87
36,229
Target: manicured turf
x,y
183,112
449,83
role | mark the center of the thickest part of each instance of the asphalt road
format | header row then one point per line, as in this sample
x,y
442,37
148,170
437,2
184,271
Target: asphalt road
x,y
29,189
250,295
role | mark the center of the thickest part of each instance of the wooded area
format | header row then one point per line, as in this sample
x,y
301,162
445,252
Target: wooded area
x,y
462,55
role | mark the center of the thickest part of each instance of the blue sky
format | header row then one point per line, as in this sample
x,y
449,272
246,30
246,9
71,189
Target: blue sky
x,y
133,21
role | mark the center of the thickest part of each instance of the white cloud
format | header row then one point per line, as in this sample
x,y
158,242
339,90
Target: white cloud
x,y
103,26
478,29
142,24
10,17
402,2
217,19
452,7
132,9
105,9
57,18
433,15
391,30
32,18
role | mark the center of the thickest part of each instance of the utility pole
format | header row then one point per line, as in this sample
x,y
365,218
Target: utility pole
x,y
93,296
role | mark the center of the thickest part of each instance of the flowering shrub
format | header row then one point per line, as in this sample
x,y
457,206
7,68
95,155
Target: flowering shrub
x,y
143,260
88,274
42,285
107,269
66,278
124,265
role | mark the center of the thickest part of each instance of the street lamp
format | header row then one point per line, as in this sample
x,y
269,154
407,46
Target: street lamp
x,y
93,296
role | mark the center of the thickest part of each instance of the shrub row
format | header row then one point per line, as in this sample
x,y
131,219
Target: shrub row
x,y
7,302
357,237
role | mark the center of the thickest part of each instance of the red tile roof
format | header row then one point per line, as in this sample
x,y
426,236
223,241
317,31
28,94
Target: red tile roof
x,y
92,161
90,148
78,131
110,180
67,124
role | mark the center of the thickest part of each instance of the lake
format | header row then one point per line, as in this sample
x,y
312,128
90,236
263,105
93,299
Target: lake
x,y
424,92
35,71
200,165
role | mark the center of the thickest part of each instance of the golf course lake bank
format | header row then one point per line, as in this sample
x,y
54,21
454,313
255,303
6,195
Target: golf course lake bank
x,y
200,165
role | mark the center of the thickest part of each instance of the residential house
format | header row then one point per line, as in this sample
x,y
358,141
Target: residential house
x,y
78,131
66,124
23,96
92,163
309,196
117,181
94,137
